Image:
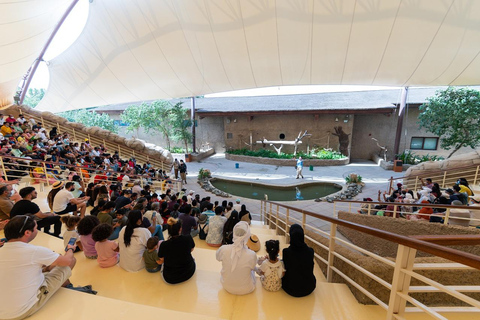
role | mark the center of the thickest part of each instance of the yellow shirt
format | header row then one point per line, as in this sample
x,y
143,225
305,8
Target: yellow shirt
x,y
6,130
465,189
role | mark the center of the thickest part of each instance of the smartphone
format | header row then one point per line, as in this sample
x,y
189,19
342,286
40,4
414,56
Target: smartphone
x,y
154,214
71,242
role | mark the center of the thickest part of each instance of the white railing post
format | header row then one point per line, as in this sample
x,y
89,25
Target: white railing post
x,y
276,220
349,207
304,220
331,250
444,178
447,216
369,209
3,169
394,211
287,235
401,282
476,176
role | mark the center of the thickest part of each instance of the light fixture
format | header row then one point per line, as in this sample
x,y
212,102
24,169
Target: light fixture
x,y
336,119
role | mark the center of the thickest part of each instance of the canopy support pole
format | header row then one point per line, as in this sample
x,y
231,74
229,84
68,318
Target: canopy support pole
x,y
31,73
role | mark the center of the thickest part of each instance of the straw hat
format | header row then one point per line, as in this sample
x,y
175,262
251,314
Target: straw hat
x,y
202,219
57,185
253,243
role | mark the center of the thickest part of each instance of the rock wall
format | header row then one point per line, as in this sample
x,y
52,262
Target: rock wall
x,y
402,227
461,160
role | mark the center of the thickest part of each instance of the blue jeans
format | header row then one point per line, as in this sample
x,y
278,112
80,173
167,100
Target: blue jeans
x,y
158,232
154,270
115,233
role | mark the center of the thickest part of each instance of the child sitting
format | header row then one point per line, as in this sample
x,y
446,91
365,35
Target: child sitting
x,y
271,269
85,228
152,261
107,250
71,223
118,223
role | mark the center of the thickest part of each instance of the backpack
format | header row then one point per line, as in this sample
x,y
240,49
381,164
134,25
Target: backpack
x,y
202,235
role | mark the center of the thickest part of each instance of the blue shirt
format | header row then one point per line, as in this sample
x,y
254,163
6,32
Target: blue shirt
x,y
299,163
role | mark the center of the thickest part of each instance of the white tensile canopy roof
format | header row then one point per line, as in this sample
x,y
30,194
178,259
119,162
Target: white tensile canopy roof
x,y
134,50
24,28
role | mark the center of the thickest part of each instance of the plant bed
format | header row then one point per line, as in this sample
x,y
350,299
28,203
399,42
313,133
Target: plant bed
x,y
287,162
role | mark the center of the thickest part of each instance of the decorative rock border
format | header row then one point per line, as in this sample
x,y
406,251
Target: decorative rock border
x,y
208,186
348,192
287,162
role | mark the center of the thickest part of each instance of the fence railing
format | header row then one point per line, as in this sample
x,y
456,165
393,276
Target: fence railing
x,y
79,136
445,178
450,214
45,173
280,217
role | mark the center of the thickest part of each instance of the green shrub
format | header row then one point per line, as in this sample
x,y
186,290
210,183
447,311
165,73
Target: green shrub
x,y
320,154
409,157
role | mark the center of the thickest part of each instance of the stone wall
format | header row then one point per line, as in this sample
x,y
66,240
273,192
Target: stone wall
x,y
287,162
402,227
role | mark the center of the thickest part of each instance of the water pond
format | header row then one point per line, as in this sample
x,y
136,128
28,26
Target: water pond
x,y
276,193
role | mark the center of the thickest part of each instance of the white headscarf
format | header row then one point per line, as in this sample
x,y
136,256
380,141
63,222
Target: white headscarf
x,y
241,234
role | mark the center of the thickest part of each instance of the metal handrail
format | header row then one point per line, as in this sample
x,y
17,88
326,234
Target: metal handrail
x,y
437,250
404,265
177,185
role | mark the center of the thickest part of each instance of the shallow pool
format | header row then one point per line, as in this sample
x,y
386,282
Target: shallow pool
x,y
276,193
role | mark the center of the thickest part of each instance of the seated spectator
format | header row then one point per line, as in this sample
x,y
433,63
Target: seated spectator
x,y
364,207
6,204
107,250
22,270
189,224
455,194
176,254
64,201
228,228
299,280
106,214
215,228
464,187
85,229
459,217
238,262
124,201
152,262
475,214
424,212
27,207
133,242
427,183
245,215
202,226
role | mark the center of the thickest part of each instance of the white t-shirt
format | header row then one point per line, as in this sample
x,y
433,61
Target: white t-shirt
x,y
131,256
21,276
237,207
242,279
67,235
137,189
62,199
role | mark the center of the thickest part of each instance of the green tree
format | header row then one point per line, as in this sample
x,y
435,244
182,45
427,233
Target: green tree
x,y
181,124
33,97
154,117
452,114
90,119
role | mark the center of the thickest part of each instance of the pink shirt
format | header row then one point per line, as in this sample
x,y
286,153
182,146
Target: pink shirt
x,y
88,245
107,257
